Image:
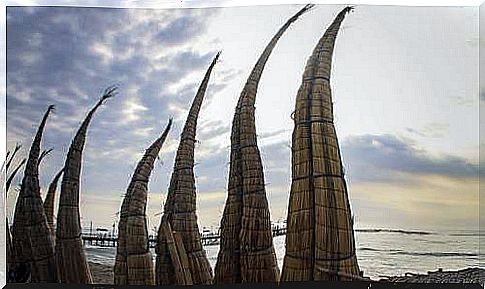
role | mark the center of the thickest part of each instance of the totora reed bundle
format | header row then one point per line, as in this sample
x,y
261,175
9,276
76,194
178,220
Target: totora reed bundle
x,y
134,263
71,260
15,151
246,252
32,245
179,220
319,241
49,203
12,176
8,249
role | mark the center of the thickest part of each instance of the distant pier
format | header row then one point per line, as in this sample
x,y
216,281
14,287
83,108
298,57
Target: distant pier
x,y
110,240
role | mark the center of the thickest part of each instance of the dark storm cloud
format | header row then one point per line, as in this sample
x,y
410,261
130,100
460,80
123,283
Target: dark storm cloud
x,y
67,56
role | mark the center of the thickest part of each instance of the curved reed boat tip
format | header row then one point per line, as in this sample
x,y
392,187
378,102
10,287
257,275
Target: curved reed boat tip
x,y
133,262
49,203
246,236
109,92
181,258
319,240
18,146
303,10
12,176
70,256
31,241
44,154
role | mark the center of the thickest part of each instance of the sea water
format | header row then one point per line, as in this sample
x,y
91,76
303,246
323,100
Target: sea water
x,y
380,253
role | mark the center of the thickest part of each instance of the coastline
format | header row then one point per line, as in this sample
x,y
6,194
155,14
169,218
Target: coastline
x,y
103,274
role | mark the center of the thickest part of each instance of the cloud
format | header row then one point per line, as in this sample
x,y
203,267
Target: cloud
x,y
67,55
385,158
431,130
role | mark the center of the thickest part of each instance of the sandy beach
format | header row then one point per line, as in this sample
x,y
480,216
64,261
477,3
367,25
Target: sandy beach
x,y
103,274
303,166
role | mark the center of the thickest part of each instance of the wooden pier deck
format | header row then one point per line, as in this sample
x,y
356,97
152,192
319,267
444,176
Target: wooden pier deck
x,y
109,240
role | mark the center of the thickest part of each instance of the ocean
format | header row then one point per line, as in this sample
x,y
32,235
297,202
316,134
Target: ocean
x,y
380,253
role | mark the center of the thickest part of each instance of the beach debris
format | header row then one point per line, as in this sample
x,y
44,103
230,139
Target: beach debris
x,y
49,203
71,260
180,209
469,275
32,245
320,238
246,253
134,262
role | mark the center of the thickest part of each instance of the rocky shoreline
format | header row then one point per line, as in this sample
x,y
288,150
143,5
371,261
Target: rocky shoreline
x,y
468,275
103,274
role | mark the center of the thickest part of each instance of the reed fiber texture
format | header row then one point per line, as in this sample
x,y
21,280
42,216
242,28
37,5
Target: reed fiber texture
x,y
320,238
70,256
180,208
246,253
134,263
32,244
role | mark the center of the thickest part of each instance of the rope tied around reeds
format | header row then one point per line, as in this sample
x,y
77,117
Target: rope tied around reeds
x,y
313,258
133,262
70,256
32,245
181,259
246,222
319,225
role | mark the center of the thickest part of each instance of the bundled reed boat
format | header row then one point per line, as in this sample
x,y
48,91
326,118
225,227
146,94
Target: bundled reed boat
x,y
70,256
180,257
246,253
49,203
8,235
320,238
134,262
32,247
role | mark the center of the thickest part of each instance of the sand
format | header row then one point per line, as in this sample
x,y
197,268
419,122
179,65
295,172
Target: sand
x,y
103,274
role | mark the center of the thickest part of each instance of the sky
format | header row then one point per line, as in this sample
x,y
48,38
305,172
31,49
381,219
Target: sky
x,y
405,92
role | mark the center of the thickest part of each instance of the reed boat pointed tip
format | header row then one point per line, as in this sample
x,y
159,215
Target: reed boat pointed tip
x,y
132,252
68,242
12,175
179,242
44,154
217,57
17,148
109,92
302,11
304,205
